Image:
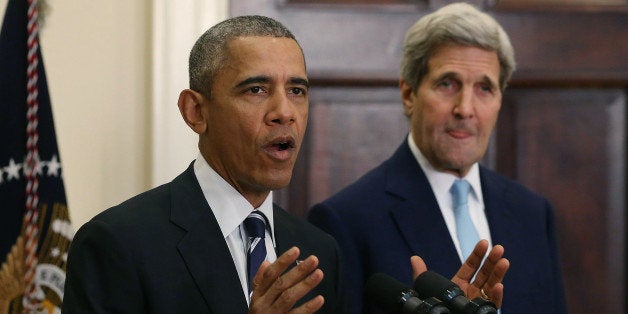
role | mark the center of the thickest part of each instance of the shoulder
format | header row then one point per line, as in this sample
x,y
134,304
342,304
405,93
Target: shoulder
x,y
138,208
153,204
128,224
367,188
393,178
493,181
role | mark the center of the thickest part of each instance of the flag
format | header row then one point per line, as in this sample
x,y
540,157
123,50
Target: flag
x,y
35,229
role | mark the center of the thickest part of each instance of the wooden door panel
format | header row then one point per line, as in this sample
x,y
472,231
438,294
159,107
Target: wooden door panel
x,y
350,134
361,44
561,131
566,47
570,146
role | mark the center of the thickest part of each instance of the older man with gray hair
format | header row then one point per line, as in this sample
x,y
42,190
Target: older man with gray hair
x,y
432,197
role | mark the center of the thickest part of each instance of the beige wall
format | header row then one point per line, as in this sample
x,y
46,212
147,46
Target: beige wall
x,y
99,60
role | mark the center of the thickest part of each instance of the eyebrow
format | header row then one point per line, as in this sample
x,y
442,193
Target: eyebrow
x,y
267,79
486,79
491,83
253,80
300,81
447,75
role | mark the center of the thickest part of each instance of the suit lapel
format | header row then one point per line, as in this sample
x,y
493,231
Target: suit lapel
x,y
287,235
203,248
283,233
418,216
498,207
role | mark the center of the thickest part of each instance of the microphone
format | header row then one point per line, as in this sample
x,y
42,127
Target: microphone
x,y
392,296
431,284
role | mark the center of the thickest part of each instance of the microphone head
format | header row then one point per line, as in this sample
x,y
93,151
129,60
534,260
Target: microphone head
x,y
481,306
387,293
431,284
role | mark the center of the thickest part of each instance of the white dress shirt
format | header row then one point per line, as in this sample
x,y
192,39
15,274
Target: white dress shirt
x,y
441,182
230,209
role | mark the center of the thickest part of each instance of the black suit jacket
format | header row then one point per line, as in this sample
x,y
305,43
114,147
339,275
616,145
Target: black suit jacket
x,y
163,252
391,213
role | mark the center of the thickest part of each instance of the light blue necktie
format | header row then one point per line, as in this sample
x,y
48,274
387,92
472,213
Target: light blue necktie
x,y
467,235
255,226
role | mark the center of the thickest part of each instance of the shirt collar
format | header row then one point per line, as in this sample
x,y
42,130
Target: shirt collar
x,y
229,206
441,181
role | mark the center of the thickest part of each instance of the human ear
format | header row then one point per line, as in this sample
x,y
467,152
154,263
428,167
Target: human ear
x,y
407,97
190,106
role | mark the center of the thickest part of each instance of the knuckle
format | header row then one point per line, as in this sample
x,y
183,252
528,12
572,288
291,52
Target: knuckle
x,y
280,283
287,297
270,273
254,308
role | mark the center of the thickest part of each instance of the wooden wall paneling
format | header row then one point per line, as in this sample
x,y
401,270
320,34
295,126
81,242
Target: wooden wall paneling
x,y
568,46
361,45
571,147
351,130
562,129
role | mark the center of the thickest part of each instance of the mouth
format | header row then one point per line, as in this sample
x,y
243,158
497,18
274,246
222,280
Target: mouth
x,y
460,132
283,145
281,148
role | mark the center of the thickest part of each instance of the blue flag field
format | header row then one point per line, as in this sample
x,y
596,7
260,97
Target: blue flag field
x,y
35,229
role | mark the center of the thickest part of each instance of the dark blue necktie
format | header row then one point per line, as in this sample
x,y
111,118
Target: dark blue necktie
x,y
255,226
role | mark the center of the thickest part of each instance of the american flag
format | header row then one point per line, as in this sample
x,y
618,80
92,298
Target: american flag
x,y
35,229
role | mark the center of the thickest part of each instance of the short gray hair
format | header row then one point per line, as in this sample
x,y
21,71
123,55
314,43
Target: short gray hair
x,y
460,24
210,51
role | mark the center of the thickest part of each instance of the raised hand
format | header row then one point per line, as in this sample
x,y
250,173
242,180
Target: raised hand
x,y
488,280
276,292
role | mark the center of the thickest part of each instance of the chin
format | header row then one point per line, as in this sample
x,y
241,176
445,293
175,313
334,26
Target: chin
x,y
277,182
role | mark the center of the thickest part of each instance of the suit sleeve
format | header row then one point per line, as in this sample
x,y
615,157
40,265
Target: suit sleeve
x,y
334,290
328,220
101,277
559,293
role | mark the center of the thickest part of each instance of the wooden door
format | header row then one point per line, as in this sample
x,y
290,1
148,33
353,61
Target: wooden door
x,y
561,132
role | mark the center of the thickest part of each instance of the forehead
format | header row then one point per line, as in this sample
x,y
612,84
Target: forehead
x,y
464,60
266,53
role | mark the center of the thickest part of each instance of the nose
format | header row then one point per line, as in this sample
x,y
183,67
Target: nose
x,y
463,108
282,109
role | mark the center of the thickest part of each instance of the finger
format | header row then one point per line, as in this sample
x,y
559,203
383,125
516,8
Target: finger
x,y
495,280
496,294
418,266
494,268
293,285
310,306
471,265
257,290
288,298
266,277
486,271
498,274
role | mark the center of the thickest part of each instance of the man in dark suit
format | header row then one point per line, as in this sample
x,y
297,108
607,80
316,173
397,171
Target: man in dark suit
x,y
456,63
182,247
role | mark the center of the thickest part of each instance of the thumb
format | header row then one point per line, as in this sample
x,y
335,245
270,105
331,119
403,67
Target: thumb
x,y
418,266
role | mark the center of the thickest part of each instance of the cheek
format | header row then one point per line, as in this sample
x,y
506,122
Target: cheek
x,y
420,124
431,111
488,119
303,114
431,118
